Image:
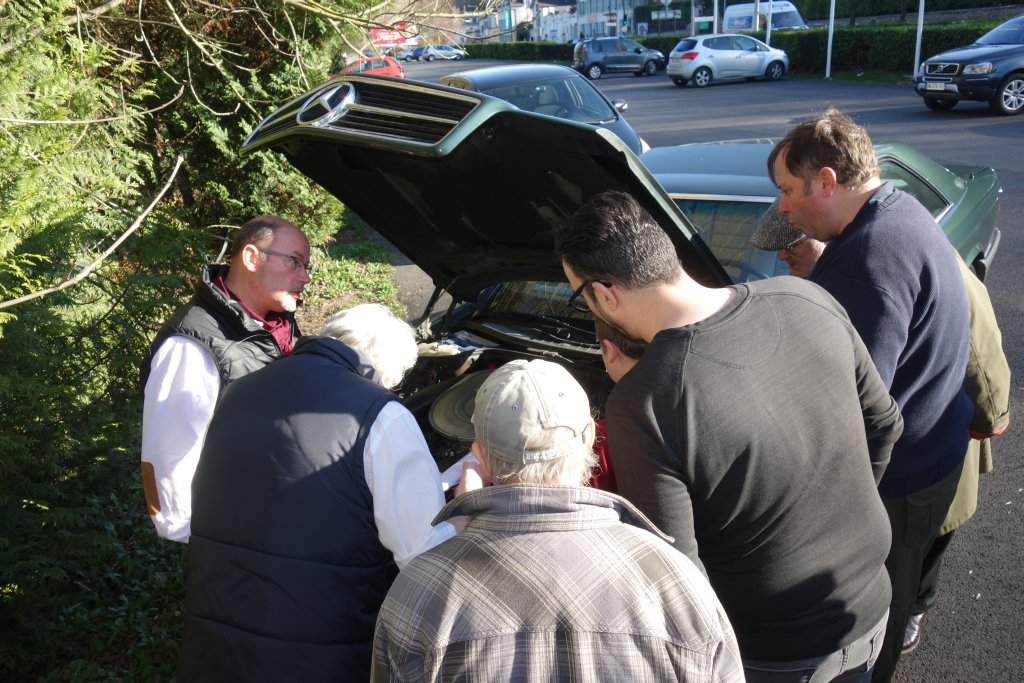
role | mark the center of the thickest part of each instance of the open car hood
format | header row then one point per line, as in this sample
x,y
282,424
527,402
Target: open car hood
x,y
467,186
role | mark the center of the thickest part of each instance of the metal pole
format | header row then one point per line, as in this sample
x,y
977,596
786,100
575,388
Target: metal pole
x,y
831,30
768,34
920,32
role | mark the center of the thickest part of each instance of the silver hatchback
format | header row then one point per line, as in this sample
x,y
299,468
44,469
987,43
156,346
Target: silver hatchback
x,y
703,59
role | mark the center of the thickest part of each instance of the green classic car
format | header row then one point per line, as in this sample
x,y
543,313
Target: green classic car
x,y
724,189
470,188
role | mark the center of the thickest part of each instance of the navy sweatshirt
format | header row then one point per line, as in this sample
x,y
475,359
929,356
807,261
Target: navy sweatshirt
x,y
893,271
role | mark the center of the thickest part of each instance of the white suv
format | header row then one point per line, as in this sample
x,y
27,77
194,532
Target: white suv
x,y
432,52
702,59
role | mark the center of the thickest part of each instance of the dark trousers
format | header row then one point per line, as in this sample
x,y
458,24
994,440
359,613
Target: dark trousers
x,y
915,521
926,590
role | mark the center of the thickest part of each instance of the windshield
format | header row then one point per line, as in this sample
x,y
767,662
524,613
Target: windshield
x,y
1010,33
786,19
568,97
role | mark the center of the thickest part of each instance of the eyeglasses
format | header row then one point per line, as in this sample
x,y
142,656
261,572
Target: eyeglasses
x,y
296,262
577,301
792,245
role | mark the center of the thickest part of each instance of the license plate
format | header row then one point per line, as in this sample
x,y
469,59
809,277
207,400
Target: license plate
x,y
935,86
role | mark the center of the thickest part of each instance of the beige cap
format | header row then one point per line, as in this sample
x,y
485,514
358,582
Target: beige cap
x,y
520,400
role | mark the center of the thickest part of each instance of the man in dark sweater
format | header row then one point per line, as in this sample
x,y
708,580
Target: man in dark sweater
x,y
890,266
754,430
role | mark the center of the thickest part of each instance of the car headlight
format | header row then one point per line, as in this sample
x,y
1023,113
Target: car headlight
x,y
977,69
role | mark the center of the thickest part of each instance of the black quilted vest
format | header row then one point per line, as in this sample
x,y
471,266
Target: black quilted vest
x,y
238,343
286,573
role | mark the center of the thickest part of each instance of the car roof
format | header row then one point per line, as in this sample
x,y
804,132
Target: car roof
x,y
733,168
453,179
492,76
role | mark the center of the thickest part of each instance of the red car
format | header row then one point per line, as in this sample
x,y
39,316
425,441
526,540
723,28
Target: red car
x,y
381,66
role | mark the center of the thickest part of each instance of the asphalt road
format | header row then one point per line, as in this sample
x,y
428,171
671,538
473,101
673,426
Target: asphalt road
x,y
975,631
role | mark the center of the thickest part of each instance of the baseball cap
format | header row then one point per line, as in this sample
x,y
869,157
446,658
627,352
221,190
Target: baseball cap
x,y
522,399
774,231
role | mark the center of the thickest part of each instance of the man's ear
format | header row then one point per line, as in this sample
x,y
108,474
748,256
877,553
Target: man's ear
x,y
828,180
607,297
480,451
609,352
249,257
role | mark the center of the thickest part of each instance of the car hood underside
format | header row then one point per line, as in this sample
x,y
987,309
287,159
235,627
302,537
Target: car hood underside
x,y
467,186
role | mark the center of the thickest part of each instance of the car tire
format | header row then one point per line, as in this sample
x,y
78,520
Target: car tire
x,y
1009,98
701,77
939,103
650,68
775,71
594,71
430,58
680,82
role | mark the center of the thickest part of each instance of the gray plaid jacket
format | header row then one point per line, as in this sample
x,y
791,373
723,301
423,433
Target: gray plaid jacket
x,y
552,583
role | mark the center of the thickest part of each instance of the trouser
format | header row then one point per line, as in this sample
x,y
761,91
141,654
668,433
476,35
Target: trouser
x,y
915,521
927,589
851,664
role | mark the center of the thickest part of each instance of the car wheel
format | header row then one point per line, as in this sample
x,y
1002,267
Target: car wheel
x,y
650,68
1009,98
594,71
939,103
701,77
430,58
680,82
774,71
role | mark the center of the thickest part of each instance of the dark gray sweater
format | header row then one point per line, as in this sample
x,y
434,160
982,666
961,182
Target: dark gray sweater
x,y
757,438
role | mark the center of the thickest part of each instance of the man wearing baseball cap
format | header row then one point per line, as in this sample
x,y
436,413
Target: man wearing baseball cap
x,y
550,579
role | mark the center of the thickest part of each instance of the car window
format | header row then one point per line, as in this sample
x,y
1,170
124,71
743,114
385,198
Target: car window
x,y
533,298
721,43
686,44
572,98
1010,33
905,180
726,227
743,43
606,46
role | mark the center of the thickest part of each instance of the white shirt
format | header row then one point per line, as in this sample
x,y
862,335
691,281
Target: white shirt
x,y
180,396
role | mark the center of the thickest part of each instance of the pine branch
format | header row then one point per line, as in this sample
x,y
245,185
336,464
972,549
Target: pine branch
x,y
92,266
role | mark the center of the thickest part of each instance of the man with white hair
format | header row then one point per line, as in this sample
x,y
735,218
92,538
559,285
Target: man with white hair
x,y
315,486
550,580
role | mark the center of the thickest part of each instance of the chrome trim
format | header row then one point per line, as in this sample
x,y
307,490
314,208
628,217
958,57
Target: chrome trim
x,y
749,199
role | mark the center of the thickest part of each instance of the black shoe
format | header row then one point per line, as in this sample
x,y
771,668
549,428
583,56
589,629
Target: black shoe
x,y
912,636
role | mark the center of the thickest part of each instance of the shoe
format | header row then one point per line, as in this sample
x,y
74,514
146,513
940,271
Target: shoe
x,y
912,636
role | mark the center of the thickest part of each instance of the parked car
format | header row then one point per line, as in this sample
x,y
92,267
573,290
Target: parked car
x,y
599,55
724,189
554,91
412,54
991,69
382,66
432,52
472,197
720,56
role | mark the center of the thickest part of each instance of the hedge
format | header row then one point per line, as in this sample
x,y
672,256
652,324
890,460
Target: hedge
x,y
887,48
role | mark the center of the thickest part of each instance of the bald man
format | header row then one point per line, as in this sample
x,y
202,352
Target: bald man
x,y
240,318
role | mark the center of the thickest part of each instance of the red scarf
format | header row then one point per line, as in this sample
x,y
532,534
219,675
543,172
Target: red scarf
x,y
279,325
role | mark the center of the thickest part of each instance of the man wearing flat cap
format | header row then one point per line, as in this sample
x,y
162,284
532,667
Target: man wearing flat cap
x,y
795,249
550,580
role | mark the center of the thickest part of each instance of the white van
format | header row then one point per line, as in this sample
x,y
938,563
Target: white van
x,y
741,17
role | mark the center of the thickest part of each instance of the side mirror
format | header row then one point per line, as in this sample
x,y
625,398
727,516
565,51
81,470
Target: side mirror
x,y
620,105
638,50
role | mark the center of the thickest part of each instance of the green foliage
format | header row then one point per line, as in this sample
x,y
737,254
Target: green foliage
x,y
93,113
819,9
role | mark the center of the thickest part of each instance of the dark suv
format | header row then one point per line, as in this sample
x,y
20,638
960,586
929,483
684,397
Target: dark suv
x,y
598,55
989,70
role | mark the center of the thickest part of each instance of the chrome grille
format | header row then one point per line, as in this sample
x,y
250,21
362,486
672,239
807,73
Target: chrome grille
x,y
941,69
373,108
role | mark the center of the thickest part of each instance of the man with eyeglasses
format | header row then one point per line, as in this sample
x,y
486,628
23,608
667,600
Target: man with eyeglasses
x,y
754,429
240,318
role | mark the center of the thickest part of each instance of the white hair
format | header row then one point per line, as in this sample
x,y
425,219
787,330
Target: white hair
x,y
574,467
388,342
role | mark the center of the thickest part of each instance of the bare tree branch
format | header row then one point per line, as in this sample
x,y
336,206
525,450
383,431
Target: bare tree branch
x,y
102,257
92,13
